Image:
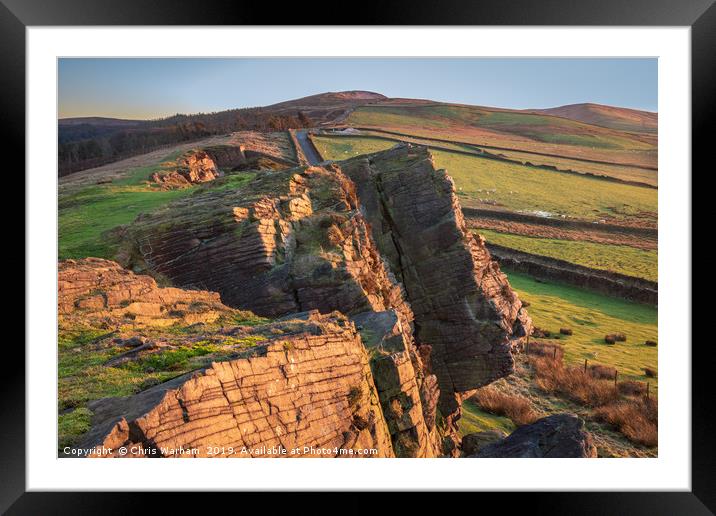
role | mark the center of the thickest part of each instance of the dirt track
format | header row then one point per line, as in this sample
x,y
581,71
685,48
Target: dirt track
x,y
309,150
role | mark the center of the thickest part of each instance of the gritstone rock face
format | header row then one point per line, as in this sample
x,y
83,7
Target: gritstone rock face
x,y
379,238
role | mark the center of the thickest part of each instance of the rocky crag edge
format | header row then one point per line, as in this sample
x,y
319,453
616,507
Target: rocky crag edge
x,y
379,238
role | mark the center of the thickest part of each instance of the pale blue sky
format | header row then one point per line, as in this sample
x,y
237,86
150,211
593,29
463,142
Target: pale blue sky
x,y
151,88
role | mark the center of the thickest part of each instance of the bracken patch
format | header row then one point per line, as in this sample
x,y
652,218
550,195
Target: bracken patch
x,y
552,376
517,408
636,419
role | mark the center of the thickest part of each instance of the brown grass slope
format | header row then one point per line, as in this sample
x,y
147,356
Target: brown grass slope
x,y
507,129
622,119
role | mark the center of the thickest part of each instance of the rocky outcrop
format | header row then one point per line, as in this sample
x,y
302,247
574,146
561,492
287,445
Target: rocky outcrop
x,y
192,168
408,395
227,156
557,436
94,289
290,241
463,305
201,165
310,393
149,321
377,234
287,242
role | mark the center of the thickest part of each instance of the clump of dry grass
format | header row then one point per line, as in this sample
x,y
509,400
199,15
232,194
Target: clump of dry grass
x,y
602,372
545,349
636,419
553,376
517,408
631,388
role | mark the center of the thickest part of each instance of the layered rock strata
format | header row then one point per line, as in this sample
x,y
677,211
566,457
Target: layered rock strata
x,y
408,395
99,293
95,289
308,394
463,305
201,165
382,233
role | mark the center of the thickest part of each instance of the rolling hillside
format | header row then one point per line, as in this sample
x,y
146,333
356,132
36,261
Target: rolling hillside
x,y
622,119
509,130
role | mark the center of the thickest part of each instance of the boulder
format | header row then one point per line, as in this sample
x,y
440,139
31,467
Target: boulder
x,y
472,443
556,436
193,167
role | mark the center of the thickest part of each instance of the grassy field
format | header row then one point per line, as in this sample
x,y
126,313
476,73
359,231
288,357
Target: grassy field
x,y
530,189
474,419
86,215
513,130
591,316
548,129
344,147
519,187
616,258
623,172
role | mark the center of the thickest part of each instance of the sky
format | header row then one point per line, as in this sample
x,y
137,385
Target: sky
x,y
141,88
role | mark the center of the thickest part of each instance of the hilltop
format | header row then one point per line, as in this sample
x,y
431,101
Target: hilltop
x,y
98,120
623,119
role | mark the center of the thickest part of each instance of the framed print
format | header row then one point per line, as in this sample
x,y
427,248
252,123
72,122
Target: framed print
x,y
454,243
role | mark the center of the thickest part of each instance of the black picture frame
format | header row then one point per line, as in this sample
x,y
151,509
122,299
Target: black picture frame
x,y
700,15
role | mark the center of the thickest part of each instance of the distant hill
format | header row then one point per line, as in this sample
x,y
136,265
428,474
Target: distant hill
x,y
88,142
328,107
622,119
98,120
523,131
331,98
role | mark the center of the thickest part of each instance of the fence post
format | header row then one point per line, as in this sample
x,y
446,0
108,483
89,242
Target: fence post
x,y
585,366
554,354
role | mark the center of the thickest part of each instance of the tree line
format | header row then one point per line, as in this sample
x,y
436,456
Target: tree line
x,y
88,145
